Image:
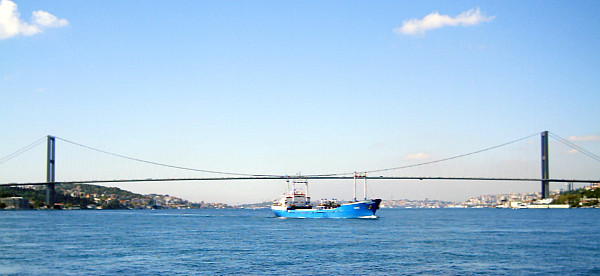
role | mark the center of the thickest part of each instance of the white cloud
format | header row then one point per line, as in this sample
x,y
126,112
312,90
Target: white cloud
x,y
46,19
572,151
417,156
587,138
12,25
435,20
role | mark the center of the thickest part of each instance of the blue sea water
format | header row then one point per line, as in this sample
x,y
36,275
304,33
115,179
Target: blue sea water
x,y
254,242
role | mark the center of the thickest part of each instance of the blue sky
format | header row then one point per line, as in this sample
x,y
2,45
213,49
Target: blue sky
x,y
311,87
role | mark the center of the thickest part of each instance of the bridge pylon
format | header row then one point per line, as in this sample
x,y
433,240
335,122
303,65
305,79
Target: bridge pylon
x,y
545,166
50,170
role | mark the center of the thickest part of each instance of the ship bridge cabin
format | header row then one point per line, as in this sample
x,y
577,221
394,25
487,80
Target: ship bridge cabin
x,y
295,198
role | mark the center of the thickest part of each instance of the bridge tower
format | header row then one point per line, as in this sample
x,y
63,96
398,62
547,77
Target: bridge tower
x,y
545,167
50,169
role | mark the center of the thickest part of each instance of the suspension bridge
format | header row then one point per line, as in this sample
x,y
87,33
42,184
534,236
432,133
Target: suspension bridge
x,y
50,182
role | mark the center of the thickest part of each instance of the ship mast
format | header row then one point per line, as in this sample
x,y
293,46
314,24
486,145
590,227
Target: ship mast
x,y
364,176
365,185
306,197
354,186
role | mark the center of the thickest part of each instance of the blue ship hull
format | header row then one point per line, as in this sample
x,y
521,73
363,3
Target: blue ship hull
x,y
361,209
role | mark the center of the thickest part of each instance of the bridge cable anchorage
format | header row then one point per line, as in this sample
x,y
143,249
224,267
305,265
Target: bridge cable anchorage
x,y
574,146
435,161
167,165
22,150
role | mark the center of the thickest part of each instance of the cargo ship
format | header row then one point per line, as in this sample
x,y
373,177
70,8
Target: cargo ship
x,y
296,203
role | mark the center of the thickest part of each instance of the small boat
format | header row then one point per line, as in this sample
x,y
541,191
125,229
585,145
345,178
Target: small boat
x,y
295,203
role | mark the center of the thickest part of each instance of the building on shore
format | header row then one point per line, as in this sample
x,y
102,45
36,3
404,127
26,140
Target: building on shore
x,y
15,203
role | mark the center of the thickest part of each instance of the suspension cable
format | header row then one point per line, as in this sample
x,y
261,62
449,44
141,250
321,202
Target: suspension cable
x,y
166,165
576,147
313,175
436,161
22,150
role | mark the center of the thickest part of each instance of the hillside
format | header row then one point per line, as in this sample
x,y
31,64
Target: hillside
x,y
584,197
37,196
86,196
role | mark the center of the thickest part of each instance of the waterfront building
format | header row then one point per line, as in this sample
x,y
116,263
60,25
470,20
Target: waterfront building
x,y
15,202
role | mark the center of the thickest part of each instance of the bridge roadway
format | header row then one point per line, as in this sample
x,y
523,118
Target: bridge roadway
x,y
303,177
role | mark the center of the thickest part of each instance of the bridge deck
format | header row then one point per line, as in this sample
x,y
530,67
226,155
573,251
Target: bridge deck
x,y
303,177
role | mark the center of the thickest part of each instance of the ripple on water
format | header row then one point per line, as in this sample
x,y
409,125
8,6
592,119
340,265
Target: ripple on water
x,y
254,242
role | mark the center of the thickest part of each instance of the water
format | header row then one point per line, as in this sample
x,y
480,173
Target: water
x,y
253,242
